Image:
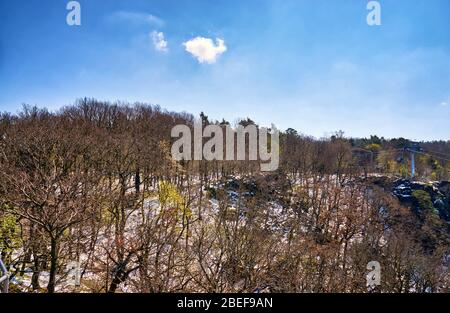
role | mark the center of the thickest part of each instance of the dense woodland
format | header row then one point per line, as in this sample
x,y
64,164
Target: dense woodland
x,y
94,184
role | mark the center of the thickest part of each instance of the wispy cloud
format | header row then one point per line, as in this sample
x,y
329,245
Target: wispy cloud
x,y
204,49
444,104
137,18
159,41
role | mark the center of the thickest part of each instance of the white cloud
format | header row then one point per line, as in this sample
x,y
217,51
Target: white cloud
x,y
204,49
159,42
444,104
137,18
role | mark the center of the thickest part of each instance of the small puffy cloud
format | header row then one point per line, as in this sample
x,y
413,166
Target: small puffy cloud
x,y
136,18
204,49
159,42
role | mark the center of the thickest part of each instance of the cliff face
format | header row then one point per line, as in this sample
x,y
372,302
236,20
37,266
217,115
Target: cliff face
x,y
429,203
421,196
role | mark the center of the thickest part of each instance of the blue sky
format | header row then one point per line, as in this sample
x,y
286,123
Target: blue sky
x,y
315,66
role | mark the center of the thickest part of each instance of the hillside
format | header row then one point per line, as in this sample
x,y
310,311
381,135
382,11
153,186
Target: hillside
x,y
91,200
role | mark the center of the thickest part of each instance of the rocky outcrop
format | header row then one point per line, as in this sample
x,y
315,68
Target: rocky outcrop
x,y
439,194
435,195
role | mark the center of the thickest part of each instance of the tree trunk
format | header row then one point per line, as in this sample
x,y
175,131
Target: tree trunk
x,y
53,265
36,271
119,277
137,181
114,284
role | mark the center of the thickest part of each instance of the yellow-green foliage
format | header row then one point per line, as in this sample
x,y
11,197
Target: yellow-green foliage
x,y
170,197
387,163
373,147
403,170
434,176
392,166
9,233
438,171
423,199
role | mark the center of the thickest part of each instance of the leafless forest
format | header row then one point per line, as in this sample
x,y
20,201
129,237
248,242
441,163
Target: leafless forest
x,y
92,201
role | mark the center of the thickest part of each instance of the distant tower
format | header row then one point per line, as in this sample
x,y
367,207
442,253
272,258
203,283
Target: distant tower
x,y
413,148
